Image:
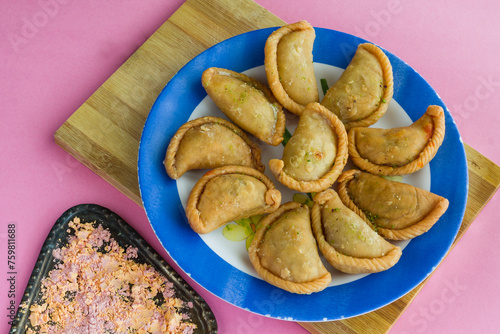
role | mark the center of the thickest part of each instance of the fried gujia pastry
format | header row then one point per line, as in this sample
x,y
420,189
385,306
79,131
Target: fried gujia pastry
x,y
398,151
229,193
315,155
289,66
246,102
396,210
361,95
284,252
210,142
346,241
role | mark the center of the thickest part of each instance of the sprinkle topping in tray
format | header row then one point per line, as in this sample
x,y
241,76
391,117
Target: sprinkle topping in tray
x,y
97,287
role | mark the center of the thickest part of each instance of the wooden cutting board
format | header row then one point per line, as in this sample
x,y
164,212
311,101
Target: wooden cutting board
x,y
104,133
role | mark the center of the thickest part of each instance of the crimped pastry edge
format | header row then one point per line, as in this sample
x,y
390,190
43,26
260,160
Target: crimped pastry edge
x,y
407,233
272,196
317,285
345,263
388,90
276,165
427,154
169,161
271,65
279,126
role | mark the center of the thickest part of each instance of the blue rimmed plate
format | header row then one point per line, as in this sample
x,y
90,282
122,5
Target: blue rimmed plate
x,y
222,266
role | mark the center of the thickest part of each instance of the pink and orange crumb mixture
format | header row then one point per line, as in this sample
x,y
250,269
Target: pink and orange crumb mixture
x,y
96,287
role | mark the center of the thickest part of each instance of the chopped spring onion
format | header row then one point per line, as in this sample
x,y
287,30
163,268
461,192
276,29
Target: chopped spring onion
x,y
286,136
324,86
302,199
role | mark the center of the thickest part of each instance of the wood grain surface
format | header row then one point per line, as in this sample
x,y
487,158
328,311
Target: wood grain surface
x,y
104,133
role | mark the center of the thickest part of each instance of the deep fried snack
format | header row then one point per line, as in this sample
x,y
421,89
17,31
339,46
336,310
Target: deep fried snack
x,y
230,193
210,142
396,210
398,151
316,154
284,252
246,102
346,241
362,94
289,66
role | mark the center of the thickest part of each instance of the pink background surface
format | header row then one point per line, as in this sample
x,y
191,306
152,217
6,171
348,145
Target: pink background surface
x,y
47,73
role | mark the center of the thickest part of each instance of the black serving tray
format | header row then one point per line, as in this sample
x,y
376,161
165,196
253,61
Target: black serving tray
x,y
125,235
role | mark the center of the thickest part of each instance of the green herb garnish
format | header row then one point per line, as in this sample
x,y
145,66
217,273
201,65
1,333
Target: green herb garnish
x,y
286,137
324,86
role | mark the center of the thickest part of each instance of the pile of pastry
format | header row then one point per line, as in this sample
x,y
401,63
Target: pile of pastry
x,y
349,227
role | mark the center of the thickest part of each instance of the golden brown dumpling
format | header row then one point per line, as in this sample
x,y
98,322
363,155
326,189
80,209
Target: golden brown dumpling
x,y
361,95
315,155
346,241
246,102
284,252
289,66
210,142
229,193
398,151
396,210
